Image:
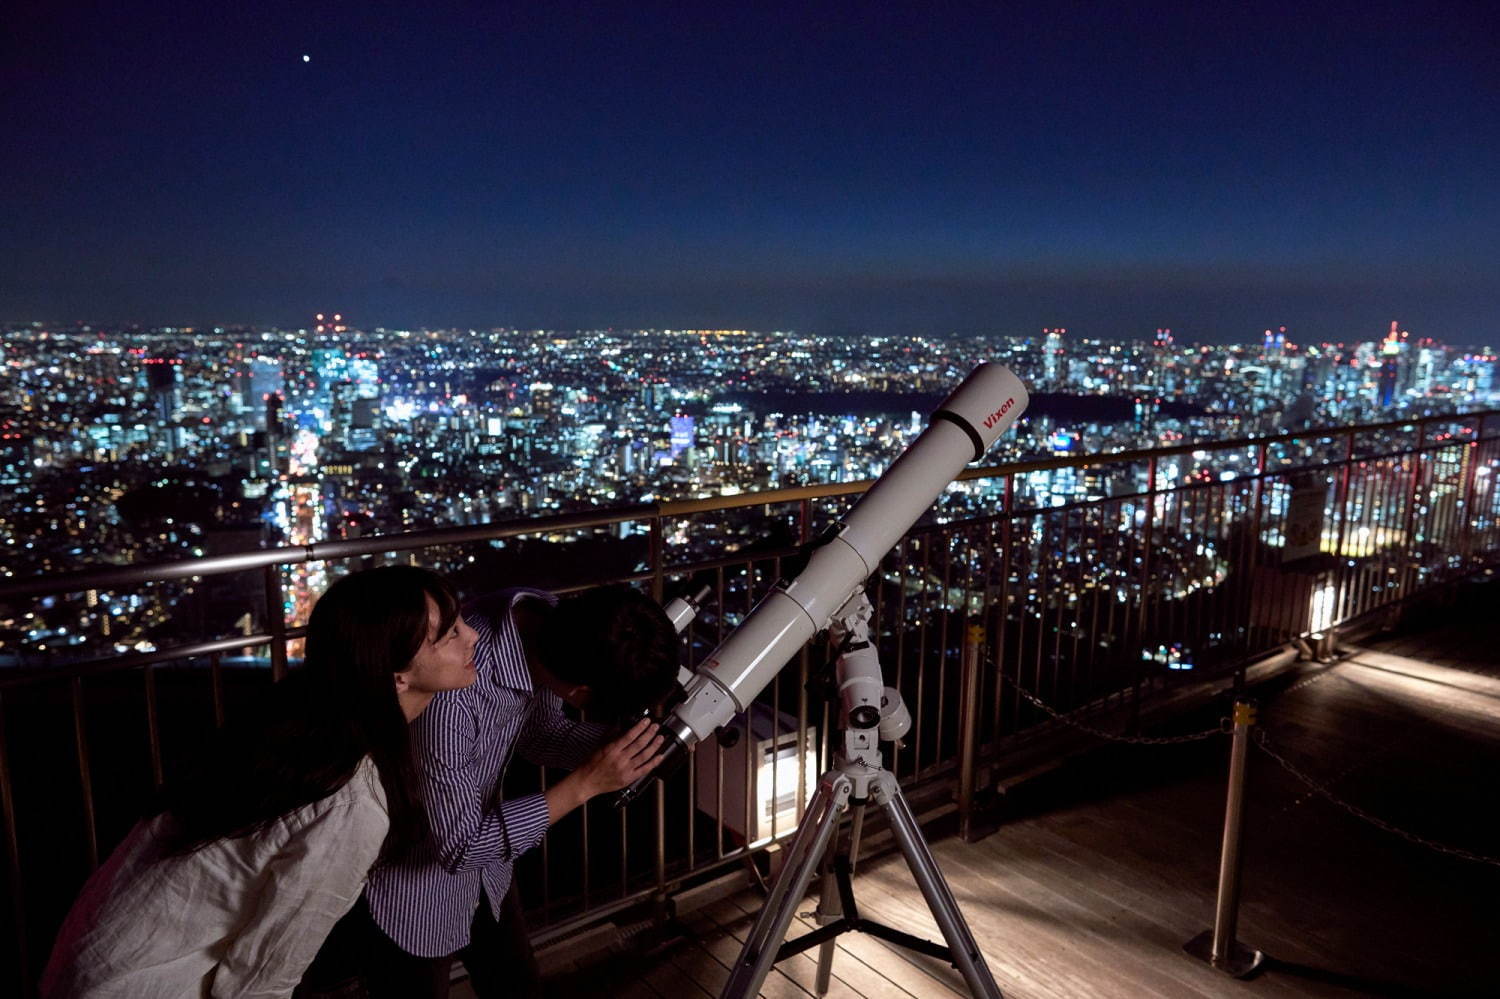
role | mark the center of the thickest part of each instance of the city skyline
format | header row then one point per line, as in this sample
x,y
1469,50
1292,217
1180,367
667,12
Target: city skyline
x,y
839,170
249,437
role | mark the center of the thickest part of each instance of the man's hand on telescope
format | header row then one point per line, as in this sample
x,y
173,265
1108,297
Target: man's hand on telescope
x,y
614,766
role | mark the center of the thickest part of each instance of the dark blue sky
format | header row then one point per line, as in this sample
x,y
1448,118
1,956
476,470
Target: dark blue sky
x,y
1214,167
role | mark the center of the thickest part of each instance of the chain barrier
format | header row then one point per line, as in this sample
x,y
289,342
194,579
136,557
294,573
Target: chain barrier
x,y
1139,740
1262,741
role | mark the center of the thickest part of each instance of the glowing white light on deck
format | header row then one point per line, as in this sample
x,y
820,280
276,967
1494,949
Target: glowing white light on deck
x,y
1321,616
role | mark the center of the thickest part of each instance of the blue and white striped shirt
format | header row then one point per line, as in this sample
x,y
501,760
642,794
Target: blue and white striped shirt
x,y
462,744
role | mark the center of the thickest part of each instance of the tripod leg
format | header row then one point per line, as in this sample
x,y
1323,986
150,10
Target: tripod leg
x,y
817,827
940,900
831,903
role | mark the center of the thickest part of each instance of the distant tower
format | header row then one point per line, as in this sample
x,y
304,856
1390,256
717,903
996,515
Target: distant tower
x,y
273,433
1052,355
161,380
683,434
1161,380
1390,365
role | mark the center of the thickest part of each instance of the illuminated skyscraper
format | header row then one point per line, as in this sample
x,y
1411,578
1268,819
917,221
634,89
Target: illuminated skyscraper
x,y
1390,366
683,435
1052,355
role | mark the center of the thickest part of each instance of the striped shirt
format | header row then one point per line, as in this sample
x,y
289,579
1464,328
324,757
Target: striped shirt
x,y
463,743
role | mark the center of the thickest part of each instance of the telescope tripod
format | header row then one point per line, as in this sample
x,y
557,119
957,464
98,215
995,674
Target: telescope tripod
x,y
854,783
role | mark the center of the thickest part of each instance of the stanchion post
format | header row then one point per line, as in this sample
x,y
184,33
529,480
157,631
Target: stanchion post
x,y
1218,946
968,731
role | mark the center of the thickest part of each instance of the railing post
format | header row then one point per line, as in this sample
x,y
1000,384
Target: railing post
x,y
216,684
968,730
1218,946
276,619
1409,528
85,776
657,557
1466,518
1140,625
1003,604
13,860
153,724
1345,490
659,816
659,848
1251,552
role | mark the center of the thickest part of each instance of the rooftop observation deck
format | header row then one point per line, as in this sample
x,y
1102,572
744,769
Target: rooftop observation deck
x,y
1011,620
1094,875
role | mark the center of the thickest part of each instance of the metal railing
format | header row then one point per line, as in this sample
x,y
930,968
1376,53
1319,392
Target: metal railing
x,y
1176,563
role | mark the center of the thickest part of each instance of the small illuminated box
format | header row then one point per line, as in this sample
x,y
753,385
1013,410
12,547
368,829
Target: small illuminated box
x,y
767,758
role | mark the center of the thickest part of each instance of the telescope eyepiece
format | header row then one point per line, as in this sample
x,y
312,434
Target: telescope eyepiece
x,y
673,754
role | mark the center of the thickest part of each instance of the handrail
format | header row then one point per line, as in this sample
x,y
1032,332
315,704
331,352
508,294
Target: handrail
x,y
318,551
22,676
89,579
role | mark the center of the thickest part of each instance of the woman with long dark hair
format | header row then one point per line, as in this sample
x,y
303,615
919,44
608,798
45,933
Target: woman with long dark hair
x,y
230,888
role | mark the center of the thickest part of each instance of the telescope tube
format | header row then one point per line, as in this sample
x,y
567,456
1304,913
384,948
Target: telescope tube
x,y
970,420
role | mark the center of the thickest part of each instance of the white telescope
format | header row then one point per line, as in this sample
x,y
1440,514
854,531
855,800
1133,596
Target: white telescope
x,y
962,429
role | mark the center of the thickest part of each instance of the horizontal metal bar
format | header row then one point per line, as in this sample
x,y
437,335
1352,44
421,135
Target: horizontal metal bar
x,y
112,664
213,565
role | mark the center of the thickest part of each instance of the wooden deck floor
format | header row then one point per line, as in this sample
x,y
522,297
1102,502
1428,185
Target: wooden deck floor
x,y
1102,870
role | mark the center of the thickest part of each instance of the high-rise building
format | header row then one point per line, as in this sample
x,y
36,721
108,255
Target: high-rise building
x,y
1390,366
1052,355
364,425
682,433
161,381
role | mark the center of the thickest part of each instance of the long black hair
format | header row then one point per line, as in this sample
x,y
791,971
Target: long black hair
x,y
324,718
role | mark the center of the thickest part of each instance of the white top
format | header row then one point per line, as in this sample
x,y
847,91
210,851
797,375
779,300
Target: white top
x,y
240,917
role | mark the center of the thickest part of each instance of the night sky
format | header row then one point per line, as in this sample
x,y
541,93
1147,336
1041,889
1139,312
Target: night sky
x,y
998,167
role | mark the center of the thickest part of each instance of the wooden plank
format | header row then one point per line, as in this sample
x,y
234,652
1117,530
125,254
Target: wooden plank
x,y
668,978
724,947
1120,920
891,962
736,919
699,965
1092,930
627,978
1017,944
847,968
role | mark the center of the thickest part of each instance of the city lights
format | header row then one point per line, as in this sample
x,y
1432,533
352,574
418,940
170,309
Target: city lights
x,y
151,445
